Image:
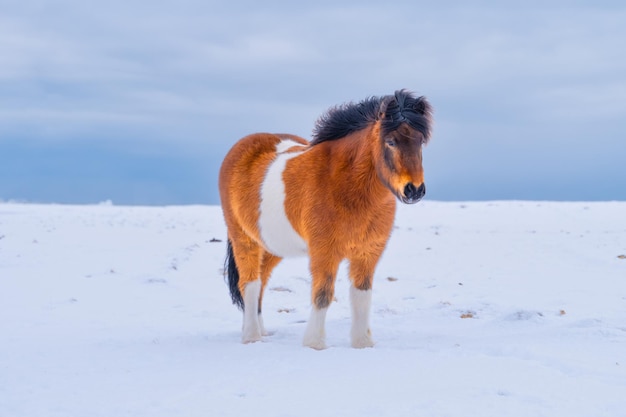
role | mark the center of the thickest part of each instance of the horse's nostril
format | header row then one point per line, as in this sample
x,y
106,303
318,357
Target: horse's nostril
x,y
410,190
422,190
414,194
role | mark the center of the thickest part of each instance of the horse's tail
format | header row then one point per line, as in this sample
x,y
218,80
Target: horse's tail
x,y
231,273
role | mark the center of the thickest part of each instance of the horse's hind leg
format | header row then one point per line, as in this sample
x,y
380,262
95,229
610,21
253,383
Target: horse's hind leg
x,y
268,263
248,258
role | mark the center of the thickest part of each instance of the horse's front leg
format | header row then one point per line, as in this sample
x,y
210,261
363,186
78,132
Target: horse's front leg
x,y
361,276
322,294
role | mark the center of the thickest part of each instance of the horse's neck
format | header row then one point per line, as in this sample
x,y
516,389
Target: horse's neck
x,y
354,156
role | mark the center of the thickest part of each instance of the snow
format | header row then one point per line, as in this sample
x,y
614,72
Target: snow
x,y
479,309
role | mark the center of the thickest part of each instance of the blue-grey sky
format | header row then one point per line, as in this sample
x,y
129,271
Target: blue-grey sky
x,y
138,101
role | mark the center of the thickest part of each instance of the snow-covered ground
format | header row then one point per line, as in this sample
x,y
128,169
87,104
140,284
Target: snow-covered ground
x,y
479,309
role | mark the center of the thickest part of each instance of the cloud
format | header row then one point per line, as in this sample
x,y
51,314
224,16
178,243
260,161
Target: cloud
x,y
193,76
598,102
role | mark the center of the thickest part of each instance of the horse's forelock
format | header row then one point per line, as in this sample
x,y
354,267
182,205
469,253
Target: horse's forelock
x,y
404,107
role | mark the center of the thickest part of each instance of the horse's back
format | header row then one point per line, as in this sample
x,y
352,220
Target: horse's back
x,y
242,173
248,160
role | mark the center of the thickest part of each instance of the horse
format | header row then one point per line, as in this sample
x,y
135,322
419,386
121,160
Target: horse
x,y
331,199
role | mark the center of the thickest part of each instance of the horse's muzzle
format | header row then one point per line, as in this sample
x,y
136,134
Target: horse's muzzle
x,y
413,194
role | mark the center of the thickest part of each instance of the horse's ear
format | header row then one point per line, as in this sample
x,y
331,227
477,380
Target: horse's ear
x,y
382,109
422,106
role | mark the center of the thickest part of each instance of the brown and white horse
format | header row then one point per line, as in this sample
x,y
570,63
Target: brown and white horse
x,y
331,199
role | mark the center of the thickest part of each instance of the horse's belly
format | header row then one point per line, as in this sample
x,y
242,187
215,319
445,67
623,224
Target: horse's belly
x,y
278,235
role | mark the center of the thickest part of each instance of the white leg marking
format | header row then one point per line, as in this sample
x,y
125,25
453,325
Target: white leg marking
x,y
277,233
262,326
252,329
315,336
361,301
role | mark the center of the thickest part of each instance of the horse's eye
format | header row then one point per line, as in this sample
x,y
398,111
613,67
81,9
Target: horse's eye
x,y
390,142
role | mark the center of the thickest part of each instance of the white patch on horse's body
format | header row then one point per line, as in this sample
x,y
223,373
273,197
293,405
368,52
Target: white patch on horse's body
x,y
252,327
285,144
315,336
360,301
277,233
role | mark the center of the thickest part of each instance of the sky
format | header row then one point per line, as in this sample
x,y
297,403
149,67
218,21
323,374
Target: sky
x,y
137,102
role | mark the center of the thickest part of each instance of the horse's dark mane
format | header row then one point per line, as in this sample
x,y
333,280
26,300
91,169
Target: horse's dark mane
x,y
402,107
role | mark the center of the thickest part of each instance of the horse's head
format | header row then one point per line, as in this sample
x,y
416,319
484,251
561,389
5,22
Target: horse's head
x,y
404,123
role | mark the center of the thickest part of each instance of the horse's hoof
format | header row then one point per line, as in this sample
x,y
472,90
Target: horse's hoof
x,y
250,337
246,340
320,346
362,342
317,344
